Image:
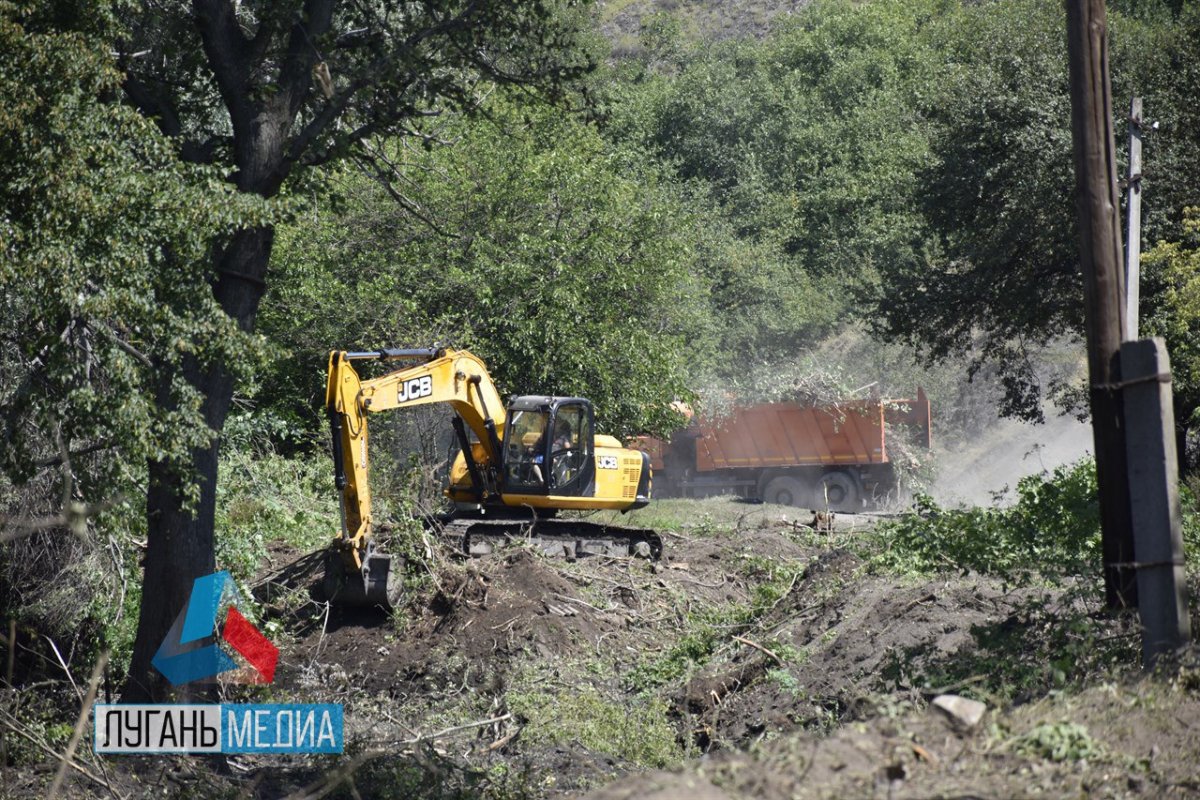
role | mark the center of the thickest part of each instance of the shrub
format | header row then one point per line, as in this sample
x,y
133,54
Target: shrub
x,y
1053,530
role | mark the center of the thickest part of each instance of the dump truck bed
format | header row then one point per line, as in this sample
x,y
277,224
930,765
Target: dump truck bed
x,y
794,434
789,434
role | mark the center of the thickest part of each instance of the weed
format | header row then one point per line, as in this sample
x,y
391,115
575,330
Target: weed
x,y
789,654
785,680
691,650
636,731
708,629
427,775
1059,741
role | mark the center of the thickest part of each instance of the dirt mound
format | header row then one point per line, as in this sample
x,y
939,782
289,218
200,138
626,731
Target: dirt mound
x,y
499,606
839,638
772,650
1122,741
483,612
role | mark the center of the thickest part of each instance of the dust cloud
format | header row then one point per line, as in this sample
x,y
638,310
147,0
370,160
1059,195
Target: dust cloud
x,y
974,471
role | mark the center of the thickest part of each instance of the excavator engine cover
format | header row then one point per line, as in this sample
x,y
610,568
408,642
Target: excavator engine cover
x,y
378,583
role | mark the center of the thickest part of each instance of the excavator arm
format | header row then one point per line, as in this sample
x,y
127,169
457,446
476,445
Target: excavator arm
x,y
456,378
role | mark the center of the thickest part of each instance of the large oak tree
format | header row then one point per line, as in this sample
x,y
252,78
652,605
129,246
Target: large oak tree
x,y
268,91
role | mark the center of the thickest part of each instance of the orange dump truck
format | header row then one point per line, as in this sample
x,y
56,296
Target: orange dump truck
x,y
833,456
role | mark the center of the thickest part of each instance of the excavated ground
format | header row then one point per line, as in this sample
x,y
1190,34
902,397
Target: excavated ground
x,y
760,658
823,690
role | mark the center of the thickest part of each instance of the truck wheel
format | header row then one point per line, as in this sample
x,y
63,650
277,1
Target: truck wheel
x,y
840,491
785,490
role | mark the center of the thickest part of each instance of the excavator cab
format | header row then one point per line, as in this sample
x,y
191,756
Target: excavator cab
x,y
549,447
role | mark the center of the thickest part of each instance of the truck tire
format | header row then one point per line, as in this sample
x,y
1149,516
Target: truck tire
x,y
785,490
840,490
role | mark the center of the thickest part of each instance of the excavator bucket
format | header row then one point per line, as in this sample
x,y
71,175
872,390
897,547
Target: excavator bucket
x,y
377,584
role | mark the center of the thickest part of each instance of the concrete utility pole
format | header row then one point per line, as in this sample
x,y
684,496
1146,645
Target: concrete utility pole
x,y
1103,284
1133,221
1153,476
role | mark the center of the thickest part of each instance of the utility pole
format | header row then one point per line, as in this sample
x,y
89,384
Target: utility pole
x,y
1103,285
1158,538
1133,221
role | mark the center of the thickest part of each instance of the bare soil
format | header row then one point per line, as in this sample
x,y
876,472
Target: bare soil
x,y
760,658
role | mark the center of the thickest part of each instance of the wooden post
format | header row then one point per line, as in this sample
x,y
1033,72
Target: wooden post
x,y
1154,496
1103,289
1133,221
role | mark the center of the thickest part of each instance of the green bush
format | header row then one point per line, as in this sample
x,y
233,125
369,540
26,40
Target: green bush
x,y
265,498
1053,530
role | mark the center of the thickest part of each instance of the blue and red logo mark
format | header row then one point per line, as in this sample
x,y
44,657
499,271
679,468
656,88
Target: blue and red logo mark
x,y
193,649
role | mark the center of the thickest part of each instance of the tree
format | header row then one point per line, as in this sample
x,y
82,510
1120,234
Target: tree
x,y
104,285
809,141
999,199
267,91
561,260
999,277
105,236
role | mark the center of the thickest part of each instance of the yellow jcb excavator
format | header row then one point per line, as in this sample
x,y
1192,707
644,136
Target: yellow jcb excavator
x,y
516,467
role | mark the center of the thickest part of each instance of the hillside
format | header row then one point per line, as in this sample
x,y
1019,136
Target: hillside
x,y
622,20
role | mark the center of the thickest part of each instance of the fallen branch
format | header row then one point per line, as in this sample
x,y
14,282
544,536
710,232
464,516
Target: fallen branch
x,y
84,711
499,743
718,585
62,663
447,731
9,724
577,600
759,648
330,780
926,599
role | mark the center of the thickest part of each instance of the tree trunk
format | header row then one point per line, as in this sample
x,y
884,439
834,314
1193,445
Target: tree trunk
x,y
180,541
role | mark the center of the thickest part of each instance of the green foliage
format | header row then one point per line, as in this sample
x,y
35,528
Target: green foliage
x,y
809,142
561,261
1173,267
104,284
998,196
688,652
785,680
104,292
430,775
1059,741
1189,492
709,628
1052,532
1047,643
265,500
999,274
636,731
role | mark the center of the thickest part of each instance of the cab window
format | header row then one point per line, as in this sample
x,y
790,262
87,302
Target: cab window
x,y
571,445
525,449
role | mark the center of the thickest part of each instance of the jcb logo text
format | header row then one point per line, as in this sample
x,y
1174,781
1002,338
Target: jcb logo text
x,y
415,388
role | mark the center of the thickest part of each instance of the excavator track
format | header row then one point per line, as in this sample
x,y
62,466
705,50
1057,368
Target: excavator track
x,y
562,538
